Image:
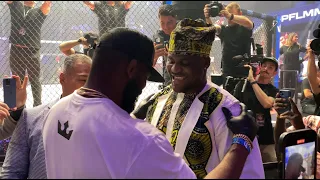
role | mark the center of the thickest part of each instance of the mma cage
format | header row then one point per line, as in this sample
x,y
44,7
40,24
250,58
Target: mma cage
x,y
69,20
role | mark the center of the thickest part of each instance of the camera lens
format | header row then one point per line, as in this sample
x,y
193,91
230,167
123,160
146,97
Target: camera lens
x,y
315,45
7,82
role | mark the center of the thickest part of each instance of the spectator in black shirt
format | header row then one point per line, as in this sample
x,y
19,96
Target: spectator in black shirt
x,y
313,79
235,38
168,21
291,51
307,100
25,39
259,97
111,14
67,47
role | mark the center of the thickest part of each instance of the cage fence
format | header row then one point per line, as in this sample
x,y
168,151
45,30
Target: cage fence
x,y
29,40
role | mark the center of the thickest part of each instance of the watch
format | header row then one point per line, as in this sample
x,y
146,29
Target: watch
x,y
231,17
254,82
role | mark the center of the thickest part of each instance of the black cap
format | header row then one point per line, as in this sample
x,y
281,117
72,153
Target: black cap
x,y
134,44
270,59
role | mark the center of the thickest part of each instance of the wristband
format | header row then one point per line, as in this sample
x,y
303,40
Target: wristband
x,y
231,17
241,141
79,40
246,138
254,82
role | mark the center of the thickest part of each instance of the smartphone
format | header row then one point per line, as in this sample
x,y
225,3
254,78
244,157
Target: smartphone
x,y
285,94
298,154
160,40
9,92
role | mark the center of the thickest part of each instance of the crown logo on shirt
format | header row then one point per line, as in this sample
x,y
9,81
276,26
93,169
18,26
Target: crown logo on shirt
x,y
64,131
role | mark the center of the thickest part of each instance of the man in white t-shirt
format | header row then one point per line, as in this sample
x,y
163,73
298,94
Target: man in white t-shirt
x,y
90,133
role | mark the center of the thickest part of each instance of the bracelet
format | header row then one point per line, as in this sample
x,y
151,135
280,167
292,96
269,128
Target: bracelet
x,y
243,142
231,17
245,138
254,82
79,41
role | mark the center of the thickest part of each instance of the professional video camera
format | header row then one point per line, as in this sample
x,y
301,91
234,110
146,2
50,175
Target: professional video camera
x,y
242,72
254,61
215,8
315,44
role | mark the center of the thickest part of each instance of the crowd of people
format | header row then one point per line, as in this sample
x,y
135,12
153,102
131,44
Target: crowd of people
x,y
192,128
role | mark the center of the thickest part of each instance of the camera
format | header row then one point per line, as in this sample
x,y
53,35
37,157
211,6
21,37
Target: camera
x,y
254,61
315,44
91,38
215,8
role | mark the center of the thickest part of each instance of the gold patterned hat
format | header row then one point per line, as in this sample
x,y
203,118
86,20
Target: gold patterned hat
x,y
192,37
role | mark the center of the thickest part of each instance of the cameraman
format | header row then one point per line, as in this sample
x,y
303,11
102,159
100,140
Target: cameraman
x,y
67,47
313,79
235,37
259,96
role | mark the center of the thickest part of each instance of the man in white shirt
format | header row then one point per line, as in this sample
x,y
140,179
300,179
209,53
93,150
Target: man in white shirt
x,y
97,138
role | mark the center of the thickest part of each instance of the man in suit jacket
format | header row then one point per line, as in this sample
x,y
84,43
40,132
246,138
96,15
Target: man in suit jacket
x,y
23,159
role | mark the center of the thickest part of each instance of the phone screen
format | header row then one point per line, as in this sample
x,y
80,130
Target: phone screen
x,y
300,161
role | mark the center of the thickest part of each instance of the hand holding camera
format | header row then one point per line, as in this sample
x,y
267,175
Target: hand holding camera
x,y
83,41
250,75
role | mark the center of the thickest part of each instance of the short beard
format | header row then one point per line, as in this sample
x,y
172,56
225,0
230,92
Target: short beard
x,y
130,95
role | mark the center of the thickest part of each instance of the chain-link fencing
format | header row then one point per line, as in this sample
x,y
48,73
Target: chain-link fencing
x,y
260,35
29,40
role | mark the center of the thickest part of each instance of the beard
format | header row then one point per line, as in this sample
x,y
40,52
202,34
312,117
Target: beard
x,y
130,95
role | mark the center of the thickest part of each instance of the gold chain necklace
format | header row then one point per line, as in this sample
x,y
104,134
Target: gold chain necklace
x,y
90,93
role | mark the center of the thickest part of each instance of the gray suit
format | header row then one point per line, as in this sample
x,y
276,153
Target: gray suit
x,y
25,158
7,128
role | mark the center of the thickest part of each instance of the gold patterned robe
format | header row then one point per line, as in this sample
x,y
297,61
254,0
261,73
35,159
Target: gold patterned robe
x,y
196,128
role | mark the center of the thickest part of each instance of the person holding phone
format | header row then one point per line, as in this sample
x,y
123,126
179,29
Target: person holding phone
x,y
24,160
297,121
168,21
10,116
259,97
313,79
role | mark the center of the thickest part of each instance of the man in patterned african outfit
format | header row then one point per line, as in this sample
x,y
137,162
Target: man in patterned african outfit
x,y
189,111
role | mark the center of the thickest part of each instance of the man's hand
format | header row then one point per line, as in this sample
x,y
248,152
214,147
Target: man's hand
x,y
21,91
250,75
83,41
243,124
159,52
225,13
4,111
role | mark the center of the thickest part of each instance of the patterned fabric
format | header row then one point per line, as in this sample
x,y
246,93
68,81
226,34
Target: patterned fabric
x,y
192,37
25,157
199,147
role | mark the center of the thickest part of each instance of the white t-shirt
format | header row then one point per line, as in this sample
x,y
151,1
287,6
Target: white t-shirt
x,y
106,143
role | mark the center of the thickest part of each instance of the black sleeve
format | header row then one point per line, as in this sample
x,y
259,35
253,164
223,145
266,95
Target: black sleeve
x,y
281,50
16,114
302,49
16,10
317,99
305,84
98,9
223,31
